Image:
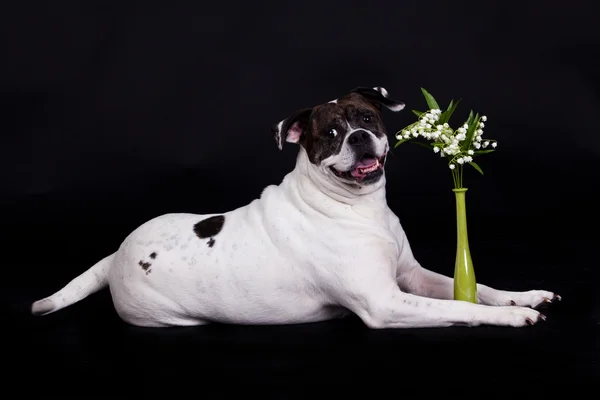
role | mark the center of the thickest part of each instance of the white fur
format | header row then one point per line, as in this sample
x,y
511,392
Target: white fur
x,y
309,249
278,134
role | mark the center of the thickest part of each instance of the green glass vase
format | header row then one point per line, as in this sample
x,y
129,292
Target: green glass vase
x,y
465,285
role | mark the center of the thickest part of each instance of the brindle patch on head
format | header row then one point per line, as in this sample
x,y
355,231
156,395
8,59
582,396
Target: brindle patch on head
x,y
361,113
320,141
330,123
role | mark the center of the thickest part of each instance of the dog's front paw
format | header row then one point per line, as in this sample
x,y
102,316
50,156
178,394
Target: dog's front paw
x,y
519,317
532,298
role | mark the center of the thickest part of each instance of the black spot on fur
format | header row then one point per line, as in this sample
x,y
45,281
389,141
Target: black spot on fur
x,y
145,266
153,255
209,227
211,242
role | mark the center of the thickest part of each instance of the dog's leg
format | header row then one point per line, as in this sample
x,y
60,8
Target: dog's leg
x,y
388,307
423,282
415,279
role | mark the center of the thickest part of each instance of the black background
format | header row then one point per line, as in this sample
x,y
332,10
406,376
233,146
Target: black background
x,y
113,112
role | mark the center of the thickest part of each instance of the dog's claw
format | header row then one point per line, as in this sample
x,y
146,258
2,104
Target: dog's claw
x,y
556,298
512,303
543,317
529,321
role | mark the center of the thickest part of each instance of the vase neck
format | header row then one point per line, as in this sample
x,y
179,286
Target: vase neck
x,y
461,215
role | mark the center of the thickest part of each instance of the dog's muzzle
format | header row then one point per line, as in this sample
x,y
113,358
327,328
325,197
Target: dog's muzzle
x,y
369,166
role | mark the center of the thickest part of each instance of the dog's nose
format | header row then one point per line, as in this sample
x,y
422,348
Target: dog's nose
x,y
358,138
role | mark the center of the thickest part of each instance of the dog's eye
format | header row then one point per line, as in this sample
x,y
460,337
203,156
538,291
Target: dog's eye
x,y
367,118
332,133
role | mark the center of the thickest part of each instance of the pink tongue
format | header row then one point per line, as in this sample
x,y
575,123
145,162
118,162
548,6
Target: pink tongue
x,y
364,163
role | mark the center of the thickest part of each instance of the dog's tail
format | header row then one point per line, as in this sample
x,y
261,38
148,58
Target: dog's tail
x,y
78,289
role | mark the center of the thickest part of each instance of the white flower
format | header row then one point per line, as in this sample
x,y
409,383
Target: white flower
x,y
442,153
477,146
461,130
494,144
479,138
428,126
479,132
452,166
460,160
446,125
471,152
406,135
451,150
483,118
481,124
466,126
468,159
436,149
461,136
427,115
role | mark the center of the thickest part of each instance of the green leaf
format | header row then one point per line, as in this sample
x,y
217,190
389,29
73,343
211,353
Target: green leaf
x,y
445,117
470,119
418,113
400,142
471,132
430,100
474,165
478,152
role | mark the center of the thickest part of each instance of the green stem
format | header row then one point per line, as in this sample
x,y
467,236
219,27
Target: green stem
x,y
455,178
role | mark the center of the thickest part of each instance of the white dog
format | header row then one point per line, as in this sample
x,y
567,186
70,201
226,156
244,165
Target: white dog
x,y
321,244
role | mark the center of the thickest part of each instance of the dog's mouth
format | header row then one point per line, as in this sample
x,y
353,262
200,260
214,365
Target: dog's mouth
x,y
367,168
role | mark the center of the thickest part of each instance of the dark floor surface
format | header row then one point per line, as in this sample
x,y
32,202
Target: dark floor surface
x,y
86,349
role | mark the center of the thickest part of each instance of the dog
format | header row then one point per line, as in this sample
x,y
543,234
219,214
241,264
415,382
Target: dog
x,y
321,245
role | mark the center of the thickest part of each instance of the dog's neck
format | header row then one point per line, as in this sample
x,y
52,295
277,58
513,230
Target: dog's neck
x,y
322,190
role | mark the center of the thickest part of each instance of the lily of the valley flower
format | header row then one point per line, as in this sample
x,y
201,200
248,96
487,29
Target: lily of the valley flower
x,y
447,141
459,146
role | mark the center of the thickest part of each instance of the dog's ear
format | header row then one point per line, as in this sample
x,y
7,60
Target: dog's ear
x,y
378,96
293,128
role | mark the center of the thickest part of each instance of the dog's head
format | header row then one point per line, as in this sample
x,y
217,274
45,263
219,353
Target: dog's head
x,y
344,138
